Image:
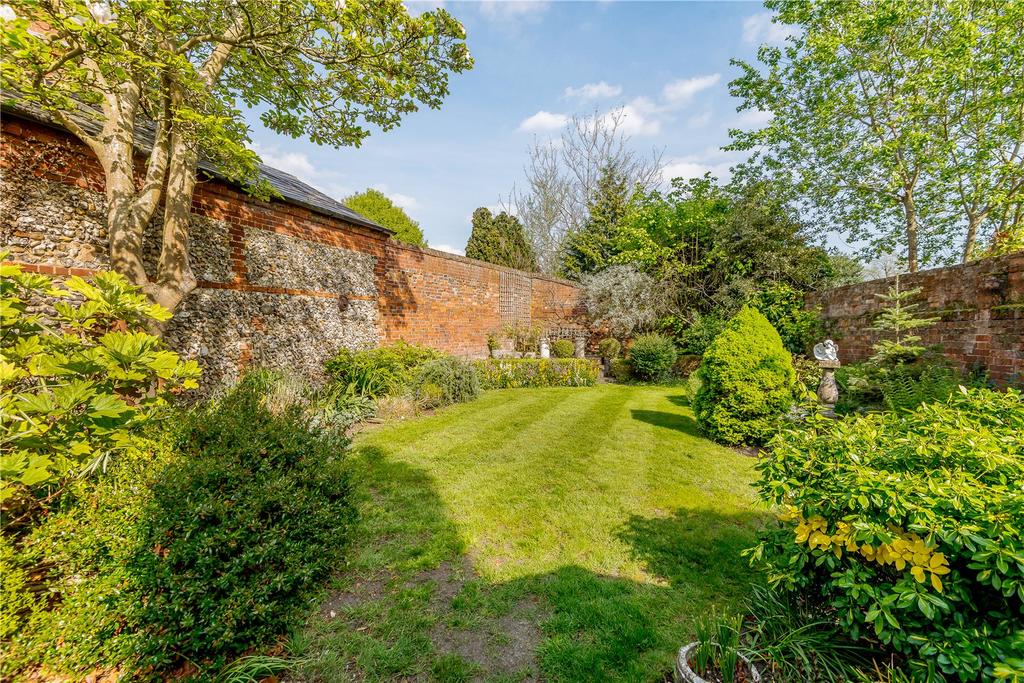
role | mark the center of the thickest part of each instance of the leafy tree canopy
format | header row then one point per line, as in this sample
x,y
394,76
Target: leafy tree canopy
x,y
376,206
500,239
592,247
319,69
903,122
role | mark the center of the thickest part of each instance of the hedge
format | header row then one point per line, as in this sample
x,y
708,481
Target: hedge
x,y
516,373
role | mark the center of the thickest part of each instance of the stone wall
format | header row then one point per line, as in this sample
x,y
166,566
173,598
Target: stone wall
x,y
279,285
980,306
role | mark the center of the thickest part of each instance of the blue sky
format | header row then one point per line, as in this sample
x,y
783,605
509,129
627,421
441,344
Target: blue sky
x,y
537,63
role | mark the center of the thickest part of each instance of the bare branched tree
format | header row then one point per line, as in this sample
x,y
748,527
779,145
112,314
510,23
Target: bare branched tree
x,y
562,177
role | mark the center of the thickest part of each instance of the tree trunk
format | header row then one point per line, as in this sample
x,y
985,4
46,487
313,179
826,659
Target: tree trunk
x,y
910,214
174,272
125,224
973,221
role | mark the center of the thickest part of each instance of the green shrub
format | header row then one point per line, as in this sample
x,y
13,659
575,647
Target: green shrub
x,y
747,381
563,348
75,383
383,371
516,373
197,545
446,381
621,370
783,306
609,348
651,356
911,526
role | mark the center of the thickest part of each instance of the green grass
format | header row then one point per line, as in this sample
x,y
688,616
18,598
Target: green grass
x,y
567,534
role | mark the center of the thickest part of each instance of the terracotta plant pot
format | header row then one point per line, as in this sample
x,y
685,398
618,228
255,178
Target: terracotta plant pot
x,y
684,674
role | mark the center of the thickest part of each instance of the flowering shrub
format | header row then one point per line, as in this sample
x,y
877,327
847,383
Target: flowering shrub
x,y
516,373
912,526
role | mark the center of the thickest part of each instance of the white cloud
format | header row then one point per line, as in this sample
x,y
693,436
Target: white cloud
x,y
700,120
512,10
449,248
759,28
593,91
753,118
638,117
543,121
712,160
680,92
400,200
296,163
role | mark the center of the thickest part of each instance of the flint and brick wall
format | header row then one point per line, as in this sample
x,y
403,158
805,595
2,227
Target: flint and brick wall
x,y
278,285
980,306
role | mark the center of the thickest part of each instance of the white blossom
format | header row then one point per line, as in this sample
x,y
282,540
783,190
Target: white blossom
x,y
7,13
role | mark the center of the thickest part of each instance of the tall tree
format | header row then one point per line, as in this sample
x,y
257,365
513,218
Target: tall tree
x,y
902,121
562,177
592,247
500,239
315,68
379,208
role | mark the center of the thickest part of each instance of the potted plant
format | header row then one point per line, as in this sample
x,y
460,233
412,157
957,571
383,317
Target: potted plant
x,y
493,343
715,656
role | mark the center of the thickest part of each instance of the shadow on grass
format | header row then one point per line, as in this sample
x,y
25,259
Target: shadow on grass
x,y
681,400
676,421
411,605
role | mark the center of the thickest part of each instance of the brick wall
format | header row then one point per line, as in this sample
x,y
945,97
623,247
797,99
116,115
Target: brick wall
x,y
279,285
980,306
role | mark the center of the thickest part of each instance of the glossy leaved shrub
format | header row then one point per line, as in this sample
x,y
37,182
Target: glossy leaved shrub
x,y
910,525
747,380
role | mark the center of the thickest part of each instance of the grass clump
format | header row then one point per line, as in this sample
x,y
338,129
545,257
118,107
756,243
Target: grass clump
x,y
445,381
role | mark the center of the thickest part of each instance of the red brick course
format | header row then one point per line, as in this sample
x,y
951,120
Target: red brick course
x,y
980,306
423,295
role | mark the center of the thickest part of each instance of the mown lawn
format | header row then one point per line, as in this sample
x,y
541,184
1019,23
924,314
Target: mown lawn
x,y
553,534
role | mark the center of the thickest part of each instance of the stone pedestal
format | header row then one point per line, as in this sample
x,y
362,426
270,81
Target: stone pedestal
x,y
828,390
545,348
580,347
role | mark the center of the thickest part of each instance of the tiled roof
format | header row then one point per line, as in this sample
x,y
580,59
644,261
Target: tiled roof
x,y
291,189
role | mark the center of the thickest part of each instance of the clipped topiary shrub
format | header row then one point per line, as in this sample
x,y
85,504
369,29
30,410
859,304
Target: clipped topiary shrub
x,y
609,348
517,373
747,381
651,356
911,526
563,348
446,381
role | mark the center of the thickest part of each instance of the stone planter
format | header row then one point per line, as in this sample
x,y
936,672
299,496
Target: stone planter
x,y
684,674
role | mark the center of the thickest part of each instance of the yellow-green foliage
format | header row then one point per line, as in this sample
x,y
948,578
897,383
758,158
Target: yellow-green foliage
x,y
747,381
383,371
76,382
515,373
651,356
913,524
562,348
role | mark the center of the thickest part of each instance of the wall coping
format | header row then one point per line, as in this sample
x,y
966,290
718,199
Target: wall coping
x,y
429,251
1013,258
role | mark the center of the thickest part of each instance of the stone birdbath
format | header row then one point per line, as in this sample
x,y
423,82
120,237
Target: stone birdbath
x,y
827,355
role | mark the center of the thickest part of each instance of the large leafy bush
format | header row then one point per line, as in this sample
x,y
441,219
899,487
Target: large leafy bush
x,y
383,371
446,381
516,373
911,525
651,356
747,381
783,306
76,381
202,542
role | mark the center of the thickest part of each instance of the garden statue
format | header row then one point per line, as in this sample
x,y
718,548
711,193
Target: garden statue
x,y
580,347
827,355
545,348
